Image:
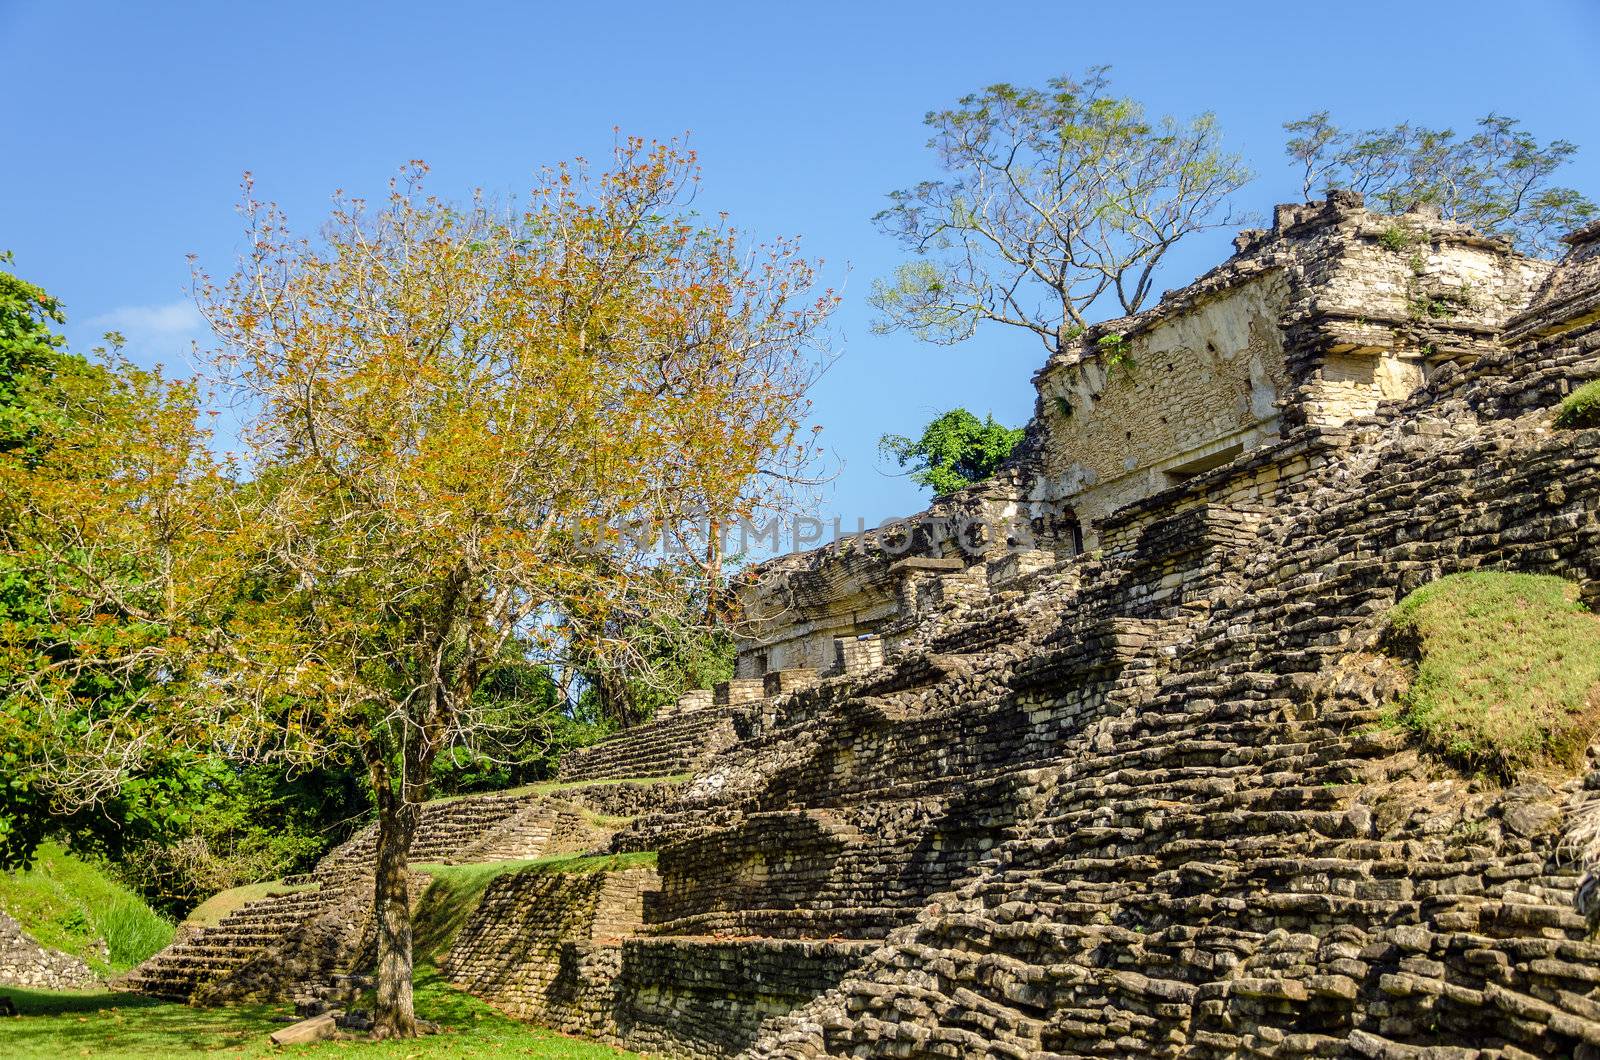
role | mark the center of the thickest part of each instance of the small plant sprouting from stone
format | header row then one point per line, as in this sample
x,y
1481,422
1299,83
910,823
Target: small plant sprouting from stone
x,y
1115,352
1446,304
1433,308
1064,407
1581,408
1398,237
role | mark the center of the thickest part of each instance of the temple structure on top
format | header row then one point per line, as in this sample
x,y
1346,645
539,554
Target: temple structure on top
x,y
1310,325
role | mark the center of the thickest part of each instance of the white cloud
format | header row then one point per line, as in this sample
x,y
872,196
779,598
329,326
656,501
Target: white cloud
x,y
151,323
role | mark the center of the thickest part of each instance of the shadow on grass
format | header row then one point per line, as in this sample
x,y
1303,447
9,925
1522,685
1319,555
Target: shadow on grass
x,y
102,1023
105,1024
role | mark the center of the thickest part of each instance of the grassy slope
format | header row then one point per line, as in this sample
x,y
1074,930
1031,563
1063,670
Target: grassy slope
x,y
55,1025
1509,670
68,904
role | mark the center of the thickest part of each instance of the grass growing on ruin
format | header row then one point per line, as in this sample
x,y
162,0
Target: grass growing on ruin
x,y
453,896
547,787
1508,672
119,1026
488,870
69,904
1581,408
219,905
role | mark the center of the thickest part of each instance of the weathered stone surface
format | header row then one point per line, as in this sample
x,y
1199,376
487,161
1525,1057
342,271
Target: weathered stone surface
x,y
23,962
314,1029
1135,800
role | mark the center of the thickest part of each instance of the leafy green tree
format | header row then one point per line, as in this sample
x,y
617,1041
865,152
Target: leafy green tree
x,y
1053,198
458,408
30,355
526,722
1497,180
955,450
80,693
239,825
77,689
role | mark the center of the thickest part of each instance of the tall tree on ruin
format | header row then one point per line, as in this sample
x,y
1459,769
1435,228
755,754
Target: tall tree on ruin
x,y
1053,199
1498,180
456,409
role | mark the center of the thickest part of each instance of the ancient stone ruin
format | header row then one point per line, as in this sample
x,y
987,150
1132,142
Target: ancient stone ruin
x,y
1087,760
25,963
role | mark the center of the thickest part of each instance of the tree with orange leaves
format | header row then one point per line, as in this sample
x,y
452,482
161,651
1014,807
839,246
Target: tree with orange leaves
x,y
457,411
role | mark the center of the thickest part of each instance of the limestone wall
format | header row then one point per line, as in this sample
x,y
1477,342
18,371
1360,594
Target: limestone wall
x,y
711,998
544,946
1312,323
23,962
1194,389
561,950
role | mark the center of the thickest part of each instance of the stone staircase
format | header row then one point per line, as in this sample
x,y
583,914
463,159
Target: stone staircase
x,y
668,746
1241,858
471,829
542,828
449,832
213,953
849,803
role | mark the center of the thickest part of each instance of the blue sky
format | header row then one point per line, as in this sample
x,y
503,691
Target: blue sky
x,y
131,123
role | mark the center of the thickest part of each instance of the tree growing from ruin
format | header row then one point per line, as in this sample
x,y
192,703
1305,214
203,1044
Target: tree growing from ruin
x,y
1053,199
1497,180
462,417
954,450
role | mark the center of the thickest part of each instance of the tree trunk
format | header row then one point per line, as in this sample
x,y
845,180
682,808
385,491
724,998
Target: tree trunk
x,y
714,574
394,1016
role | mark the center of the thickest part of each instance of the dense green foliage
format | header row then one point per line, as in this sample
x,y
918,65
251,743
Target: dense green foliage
x,y
525,725
666,657
1508,672
1581,408
1496,180
111,1026
42,388
72,904
238,825
955,450
30,356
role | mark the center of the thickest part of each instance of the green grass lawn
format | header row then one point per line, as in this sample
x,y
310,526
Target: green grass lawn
x,y
102,1024
68,903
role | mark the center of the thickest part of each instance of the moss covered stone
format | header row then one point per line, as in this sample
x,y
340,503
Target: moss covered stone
x,y
1508,672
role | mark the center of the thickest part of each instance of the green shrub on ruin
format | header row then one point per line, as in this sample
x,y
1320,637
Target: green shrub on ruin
x,y
1581,408
1507,673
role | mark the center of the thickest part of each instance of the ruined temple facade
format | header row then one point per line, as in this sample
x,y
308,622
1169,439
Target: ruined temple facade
x,y
1094,759
1310,324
